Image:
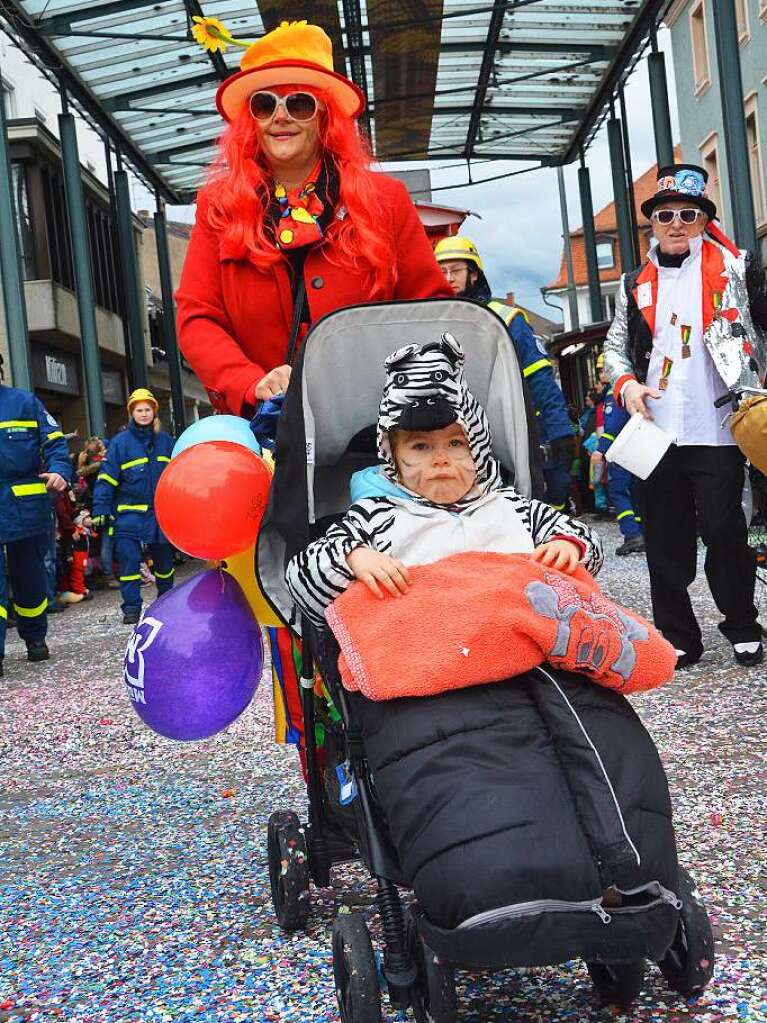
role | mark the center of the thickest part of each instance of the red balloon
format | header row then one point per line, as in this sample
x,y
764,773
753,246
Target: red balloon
x,y
211,498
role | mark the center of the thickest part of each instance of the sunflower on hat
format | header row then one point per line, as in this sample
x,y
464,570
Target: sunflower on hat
x,y
213,35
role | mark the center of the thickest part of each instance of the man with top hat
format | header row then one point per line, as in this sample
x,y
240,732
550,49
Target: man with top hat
x,y
123,499
690,324
293,222
33,461
460,262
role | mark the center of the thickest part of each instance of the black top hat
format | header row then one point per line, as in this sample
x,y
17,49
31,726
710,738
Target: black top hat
x,y
681,181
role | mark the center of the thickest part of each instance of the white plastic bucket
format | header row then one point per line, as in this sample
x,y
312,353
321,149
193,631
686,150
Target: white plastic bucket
x,y
639,446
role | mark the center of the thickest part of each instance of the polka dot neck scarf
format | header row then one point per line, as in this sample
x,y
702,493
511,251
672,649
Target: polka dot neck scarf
x,y
300,216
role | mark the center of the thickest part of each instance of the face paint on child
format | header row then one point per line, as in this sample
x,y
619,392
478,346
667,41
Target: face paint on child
x,y
437,464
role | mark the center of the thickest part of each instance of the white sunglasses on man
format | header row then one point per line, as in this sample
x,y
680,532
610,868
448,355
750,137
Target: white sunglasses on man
x,y
687,216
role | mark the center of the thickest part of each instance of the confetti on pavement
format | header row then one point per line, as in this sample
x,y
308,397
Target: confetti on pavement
x,y
133,880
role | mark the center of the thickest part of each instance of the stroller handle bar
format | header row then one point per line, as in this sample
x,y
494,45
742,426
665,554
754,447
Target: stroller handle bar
x,y
734,396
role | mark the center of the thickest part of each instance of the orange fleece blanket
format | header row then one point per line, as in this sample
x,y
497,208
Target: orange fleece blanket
x,y
477,617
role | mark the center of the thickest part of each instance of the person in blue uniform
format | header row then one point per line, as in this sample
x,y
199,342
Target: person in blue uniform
x,y
33,460
123,499
619,480
461,264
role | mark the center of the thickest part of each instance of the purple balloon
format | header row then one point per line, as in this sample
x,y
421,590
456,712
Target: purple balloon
x,y
194,661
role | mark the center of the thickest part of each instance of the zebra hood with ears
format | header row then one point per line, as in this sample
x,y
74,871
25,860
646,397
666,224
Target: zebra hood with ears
x,y
425,390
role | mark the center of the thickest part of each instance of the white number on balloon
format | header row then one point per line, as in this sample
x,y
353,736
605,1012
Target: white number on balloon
x,y
144,635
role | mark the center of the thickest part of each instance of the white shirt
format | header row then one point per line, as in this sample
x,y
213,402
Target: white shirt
x,y
685,410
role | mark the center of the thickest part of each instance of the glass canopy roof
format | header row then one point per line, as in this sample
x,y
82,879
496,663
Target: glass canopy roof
x,y
513,79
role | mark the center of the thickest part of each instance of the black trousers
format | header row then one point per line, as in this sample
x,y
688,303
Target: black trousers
x,y
699,489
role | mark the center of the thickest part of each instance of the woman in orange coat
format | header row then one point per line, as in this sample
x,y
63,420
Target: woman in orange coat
x,y
293,222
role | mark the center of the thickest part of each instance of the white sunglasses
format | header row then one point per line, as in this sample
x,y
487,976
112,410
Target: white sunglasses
x,y
299,106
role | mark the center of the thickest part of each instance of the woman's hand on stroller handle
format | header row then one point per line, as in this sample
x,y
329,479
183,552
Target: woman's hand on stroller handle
x,y
372,567
275,382
560,554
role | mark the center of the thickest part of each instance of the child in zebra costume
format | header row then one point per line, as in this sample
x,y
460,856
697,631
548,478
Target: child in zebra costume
x,y
437,491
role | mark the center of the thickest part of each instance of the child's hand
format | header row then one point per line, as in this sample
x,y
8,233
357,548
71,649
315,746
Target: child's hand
x,y
560,554
371,567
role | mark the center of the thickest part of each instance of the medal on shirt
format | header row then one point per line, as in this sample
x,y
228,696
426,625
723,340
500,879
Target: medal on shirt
x,y
717,300
686,351
665,373
673,319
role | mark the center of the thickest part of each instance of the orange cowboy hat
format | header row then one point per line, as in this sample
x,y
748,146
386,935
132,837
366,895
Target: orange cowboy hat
x,y
295,53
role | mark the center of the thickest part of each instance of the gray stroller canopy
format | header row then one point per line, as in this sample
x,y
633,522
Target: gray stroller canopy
x,y
333,400
343,376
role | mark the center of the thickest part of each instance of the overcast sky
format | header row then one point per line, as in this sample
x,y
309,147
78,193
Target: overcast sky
x,y
519,235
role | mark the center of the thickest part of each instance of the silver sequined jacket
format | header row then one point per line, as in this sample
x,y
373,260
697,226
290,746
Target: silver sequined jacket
x,y
738,348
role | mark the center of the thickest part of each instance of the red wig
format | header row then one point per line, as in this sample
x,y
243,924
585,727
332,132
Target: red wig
x,y
240,183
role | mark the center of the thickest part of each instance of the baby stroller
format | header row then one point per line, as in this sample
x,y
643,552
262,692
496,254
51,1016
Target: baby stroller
x,y
510,866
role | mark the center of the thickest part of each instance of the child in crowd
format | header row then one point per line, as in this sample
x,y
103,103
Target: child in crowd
x,y
437,491
74,529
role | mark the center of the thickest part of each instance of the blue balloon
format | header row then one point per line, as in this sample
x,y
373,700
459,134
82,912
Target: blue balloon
x,y
231,428
195,659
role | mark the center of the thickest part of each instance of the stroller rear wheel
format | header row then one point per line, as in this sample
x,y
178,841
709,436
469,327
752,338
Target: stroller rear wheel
x,y
617,983
354,970
288,870
689,963
434,989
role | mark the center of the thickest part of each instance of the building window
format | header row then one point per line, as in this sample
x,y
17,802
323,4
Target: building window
x,y
755,157
741,16
699,41
709,152
605,253
609,301
9,98
23,220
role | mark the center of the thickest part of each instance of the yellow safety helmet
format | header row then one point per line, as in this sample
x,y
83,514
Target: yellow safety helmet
x,y
458,248
601,360
142,394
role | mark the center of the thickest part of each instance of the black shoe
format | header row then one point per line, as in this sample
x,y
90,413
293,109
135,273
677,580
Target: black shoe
x,y
131,616
37,652
749,659
687,660
634,545
55,609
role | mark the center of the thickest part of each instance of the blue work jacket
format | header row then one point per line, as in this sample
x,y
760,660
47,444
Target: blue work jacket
x,y
615,419
30,443
548,400
129,475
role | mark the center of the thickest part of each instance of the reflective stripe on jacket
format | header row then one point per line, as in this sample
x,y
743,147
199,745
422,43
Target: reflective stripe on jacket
x,y
548,400
129,475
30,443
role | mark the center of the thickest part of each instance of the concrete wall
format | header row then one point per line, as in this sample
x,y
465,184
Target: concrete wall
x,y
700,114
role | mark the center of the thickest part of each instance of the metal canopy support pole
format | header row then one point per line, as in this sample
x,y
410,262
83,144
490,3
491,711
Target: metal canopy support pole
x,y
81,259
114,226
590,243
169,320
133,322
629,178
572,294
615,142
10,270
661,117
734,124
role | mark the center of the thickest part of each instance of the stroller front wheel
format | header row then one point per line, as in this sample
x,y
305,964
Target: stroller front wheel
x,y
354,971
617,983
288,870
689,963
